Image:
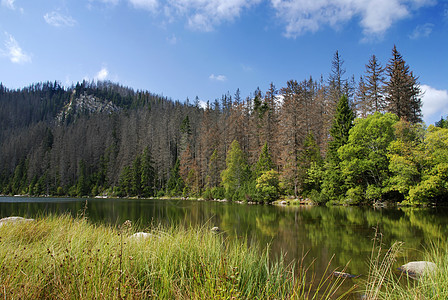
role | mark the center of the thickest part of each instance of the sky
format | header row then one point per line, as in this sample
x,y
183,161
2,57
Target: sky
x,y
205,48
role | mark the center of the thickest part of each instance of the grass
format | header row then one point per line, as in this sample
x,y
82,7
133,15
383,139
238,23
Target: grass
x,y
384,282
60,257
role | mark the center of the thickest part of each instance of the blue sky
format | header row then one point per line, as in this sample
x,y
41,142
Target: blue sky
x,y
189,48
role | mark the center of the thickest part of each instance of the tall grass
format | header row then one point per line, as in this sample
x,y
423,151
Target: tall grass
x,y
385,282
60,257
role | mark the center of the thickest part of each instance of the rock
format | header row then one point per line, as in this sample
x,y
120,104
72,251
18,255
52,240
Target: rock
x,y
216,229
344,275
13,220
416,269
283,202
141,235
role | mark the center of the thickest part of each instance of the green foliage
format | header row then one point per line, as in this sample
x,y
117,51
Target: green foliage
x,y
342,123
237,174
364,161
264,162
268,186
419,165
442,123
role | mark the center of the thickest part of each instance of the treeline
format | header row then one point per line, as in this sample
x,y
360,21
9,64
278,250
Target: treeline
x,y
290,141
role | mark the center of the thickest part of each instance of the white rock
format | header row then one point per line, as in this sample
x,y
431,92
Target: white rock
x,y
141,235
417,269
13,220
216,229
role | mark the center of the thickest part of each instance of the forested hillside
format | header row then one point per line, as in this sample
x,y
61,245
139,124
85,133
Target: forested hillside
x,y
330,139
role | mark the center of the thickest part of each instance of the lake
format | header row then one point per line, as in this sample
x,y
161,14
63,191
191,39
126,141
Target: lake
x,y
344,233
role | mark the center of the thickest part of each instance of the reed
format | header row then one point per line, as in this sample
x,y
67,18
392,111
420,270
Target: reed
x,y
60,257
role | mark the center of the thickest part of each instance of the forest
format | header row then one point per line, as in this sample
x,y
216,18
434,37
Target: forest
x,y
333,140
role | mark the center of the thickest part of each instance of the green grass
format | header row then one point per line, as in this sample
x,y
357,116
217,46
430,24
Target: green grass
x,y
60,257
384,282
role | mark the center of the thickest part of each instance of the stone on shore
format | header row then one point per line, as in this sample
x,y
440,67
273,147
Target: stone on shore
x,y
141,235
14,220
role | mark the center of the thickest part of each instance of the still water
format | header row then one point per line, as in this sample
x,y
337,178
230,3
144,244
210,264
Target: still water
x,y
344,233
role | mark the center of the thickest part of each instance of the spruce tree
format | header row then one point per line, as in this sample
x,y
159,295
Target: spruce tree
x,y
342,123
264,162
403,90
374,86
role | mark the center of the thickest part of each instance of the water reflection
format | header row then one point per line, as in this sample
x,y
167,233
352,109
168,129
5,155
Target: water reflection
x,y
345,232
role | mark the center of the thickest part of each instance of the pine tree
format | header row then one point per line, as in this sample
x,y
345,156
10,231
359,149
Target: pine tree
x,y
175,183
342,123
403,90
264,162
237,174
374,86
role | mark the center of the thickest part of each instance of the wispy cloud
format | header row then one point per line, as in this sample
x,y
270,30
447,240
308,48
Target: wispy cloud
x,y
435,103
8,4
217,77
422,31
172,39
14,52
102,74
376,17
57,19
204,15
150,5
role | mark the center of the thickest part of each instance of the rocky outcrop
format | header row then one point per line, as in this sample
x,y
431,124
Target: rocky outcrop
x,y
85,104
417,269
14,220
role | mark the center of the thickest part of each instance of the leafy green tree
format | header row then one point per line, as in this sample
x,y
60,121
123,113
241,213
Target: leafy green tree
x,y
364,161
237,175
406,158
309,155
268,186
425,180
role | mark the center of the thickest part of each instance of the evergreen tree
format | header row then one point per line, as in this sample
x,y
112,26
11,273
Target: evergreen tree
x,y
374,86
237,174
403,90
175,184
342,123
264,162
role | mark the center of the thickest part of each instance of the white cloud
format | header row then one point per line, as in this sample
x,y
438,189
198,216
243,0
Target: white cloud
x,y
14,52
435,104
102,74
422,31
150,5
9,4
217,77
204,15
376,17
56,19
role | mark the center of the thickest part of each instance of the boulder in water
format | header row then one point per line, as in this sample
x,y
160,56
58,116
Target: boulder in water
x,y
417,269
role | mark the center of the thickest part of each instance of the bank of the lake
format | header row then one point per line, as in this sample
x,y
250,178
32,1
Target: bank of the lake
x,y
64,257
